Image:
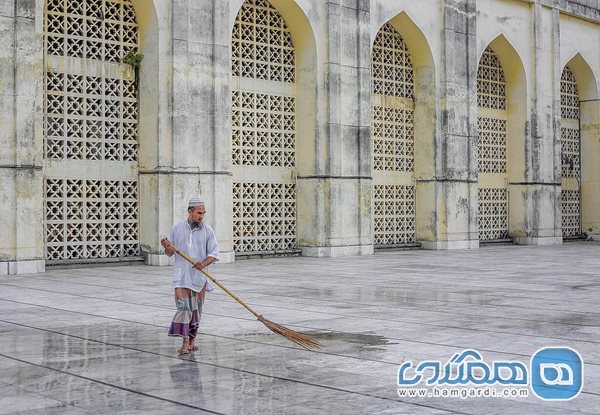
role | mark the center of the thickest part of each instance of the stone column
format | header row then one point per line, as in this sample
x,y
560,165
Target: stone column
x,y
341,187
453,191
21,87
200,159
539,194
155,127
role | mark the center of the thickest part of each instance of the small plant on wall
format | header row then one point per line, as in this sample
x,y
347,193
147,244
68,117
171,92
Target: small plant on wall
x,y
134,59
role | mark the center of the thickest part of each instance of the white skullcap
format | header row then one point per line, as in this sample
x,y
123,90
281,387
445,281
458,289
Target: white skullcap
x,y
195,201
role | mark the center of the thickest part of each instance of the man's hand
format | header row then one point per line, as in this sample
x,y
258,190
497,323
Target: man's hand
x,y
201,265
167,245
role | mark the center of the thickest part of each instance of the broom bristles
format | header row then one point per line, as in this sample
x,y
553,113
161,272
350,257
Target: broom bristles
x,y
298,338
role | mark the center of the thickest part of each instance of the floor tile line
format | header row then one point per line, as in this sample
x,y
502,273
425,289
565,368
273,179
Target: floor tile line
x,y
329,301
111,385
340,315
491,296
368,395
204,334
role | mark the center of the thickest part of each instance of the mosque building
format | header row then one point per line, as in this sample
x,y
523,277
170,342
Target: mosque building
x,y
309,127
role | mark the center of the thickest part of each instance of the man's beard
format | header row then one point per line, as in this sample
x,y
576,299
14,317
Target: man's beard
x,y
194,224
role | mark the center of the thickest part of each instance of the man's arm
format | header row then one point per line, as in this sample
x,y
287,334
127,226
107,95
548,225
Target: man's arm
x,y
212,251
203,264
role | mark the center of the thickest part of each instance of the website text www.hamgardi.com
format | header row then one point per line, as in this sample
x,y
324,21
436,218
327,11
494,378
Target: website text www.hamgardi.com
x,y
463,393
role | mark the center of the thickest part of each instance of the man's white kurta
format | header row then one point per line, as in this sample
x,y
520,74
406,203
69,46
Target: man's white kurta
x,y
197,243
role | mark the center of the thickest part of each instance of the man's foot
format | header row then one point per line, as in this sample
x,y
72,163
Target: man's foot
x,y
185,347
192,347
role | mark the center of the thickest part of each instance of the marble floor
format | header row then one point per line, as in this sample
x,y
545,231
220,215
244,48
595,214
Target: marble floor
x,y
93,340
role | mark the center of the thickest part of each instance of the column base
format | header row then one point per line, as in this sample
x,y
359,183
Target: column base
x,y
450,245
336,251
158,260
226,257
540,240
31,266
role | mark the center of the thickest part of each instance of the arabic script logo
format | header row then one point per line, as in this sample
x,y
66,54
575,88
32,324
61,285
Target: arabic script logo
x,y
465,368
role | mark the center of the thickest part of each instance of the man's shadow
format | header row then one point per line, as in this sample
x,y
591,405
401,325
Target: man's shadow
x,y
185,374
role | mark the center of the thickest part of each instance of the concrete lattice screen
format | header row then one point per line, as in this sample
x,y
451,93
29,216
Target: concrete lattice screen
x,y
263,131
393,131
492,148
585,85
570,160
90,131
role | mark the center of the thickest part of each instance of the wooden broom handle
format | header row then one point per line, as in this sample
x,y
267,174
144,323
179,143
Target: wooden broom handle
x,y
213,279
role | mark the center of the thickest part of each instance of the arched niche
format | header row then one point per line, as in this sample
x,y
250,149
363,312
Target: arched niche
x,y
517,164
424,124
305,95
589,129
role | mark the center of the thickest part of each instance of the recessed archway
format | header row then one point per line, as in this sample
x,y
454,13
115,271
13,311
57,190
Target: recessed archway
x,y
92,130
580,155
502,97
273,118
403,134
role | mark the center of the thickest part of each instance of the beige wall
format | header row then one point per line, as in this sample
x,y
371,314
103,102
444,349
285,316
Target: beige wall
x,y
185,116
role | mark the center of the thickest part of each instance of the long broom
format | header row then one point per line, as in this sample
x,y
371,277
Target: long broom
x,y
298,338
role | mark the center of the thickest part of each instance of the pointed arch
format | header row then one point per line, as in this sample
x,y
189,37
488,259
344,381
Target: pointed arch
x,y
305,49
424,92
580,150
570,155
502,109
587,81
403,105
516,106
273,117
91,131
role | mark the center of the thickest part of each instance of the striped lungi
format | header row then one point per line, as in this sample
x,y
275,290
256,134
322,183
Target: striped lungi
x,y
187,318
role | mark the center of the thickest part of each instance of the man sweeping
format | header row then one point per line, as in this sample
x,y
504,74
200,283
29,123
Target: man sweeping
x,y
197,240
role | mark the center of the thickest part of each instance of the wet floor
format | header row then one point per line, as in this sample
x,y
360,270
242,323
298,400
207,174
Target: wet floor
x,y
93,341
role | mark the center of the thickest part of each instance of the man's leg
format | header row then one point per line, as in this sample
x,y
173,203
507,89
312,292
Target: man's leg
x,y
201,296
182,296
